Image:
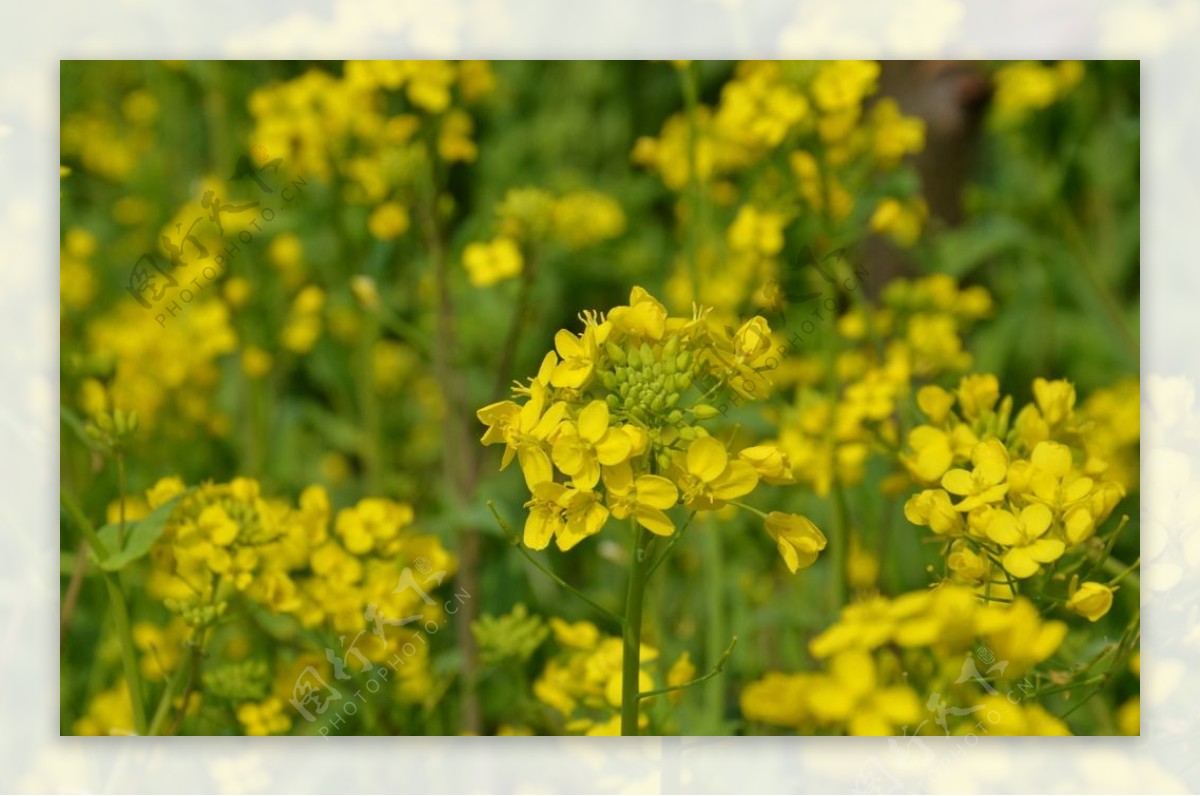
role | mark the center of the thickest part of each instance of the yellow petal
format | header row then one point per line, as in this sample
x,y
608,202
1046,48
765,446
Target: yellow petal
x,y
535,465
706,459
1019,563
654,521
593,421
958,482
656,492
738,479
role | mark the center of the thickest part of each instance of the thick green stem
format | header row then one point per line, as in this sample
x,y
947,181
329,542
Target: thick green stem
x,y
631,662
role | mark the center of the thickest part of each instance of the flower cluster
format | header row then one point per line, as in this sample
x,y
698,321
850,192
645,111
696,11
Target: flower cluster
x,y
605,431
906,664
916,333
1010,494
1028,86
789,144
227,552
527,218
582,684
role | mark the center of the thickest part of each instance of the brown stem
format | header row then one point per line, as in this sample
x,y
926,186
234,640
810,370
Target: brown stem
x,y
71,598
458,468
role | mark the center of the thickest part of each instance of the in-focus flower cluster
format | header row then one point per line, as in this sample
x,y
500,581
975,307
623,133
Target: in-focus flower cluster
x,y
609,429
1010,495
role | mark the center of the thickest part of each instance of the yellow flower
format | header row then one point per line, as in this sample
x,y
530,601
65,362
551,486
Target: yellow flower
x,y
389,220
757,231
932,455
1016,633
547,513
643,318
256,362
769,462
978,394
579,635
1024,537
853,695
583,446
984,484
1091,600
1052,481
585,516
524,430
797,537
489,263
778,698
579,355
934,509
709,478
1055,400
643,498
264,718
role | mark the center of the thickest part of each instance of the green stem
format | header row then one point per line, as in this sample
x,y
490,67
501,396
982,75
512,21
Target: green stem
x,y
515,541
839,545
631,662
698,210
164,703
120,457
714,568
120,614
720,667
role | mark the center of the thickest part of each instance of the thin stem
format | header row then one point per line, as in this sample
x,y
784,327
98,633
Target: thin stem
x,y
697,207
1121,572
168,695
515,541
120,614
720,667
839,544
714,566
631,663
120,457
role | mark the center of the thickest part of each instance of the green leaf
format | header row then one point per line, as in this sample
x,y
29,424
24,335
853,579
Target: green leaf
x,y
140,536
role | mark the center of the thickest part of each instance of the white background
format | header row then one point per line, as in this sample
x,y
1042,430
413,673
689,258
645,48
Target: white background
x,y
35,35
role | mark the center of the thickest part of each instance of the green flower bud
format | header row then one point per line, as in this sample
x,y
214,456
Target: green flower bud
x,y
704,412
